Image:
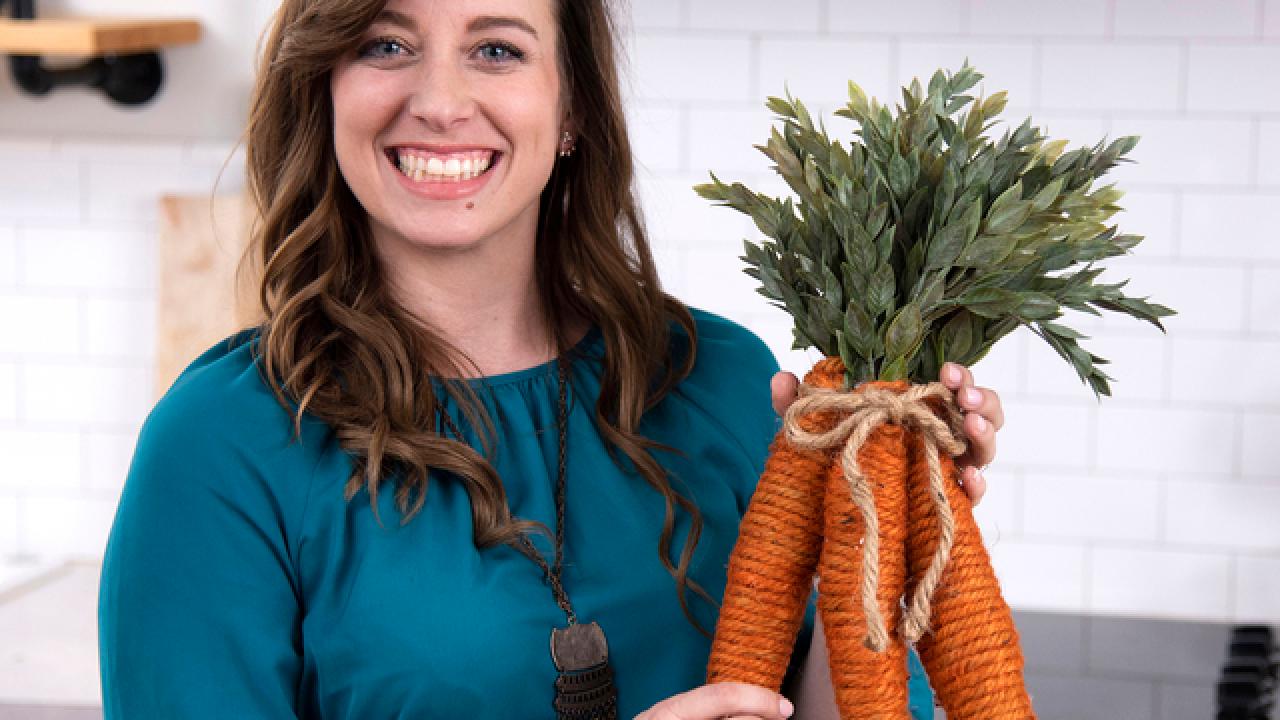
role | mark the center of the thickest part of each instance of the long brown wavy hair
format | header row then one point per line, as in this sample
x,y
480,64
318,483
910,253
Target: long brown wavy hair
x,y
337,345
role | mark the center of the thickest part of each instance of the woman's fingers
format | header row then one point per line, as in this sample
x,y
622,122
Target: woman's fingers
x,y
719,700
975,485
783,385
970,397
982,440
984,416
984,402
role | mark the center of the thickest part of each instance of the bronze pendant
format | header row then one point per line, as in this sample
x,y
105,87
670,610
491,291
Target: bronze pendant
x,y
584,687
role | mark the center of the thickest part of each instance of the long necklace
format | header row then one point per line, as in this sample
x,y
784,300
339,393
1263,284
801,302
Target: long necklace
x,y
584,688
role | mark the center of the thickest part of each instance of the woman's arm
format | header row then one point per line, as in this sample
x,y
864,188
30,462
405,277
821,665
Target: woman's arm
x,y
198,606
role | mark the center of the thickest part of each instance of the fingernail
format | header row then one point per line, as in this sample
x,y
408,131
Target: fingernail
x,y
785,707
972,396
953,374
981,422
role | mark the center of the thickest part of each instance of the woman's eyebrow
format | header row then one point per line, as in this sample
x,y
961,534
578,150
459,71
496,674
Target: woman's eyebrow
x,y
396,18
485,22
477,24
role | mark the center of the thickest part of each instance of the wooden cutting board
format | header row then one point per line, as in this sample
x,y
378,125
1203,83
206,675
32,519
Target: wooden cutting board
x,y
200,298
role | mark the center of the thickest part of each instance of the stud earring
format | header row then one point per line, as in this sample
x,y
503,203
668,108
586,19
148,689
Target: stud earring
x,y
566,144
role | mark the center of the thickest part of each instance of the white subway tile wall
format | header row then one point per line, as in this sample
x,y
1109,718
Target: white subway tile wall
x,y
1173,581
1185,18
8,392
8,526
1012,18
1105,76
8,257
1161,500
1042,575
1268,147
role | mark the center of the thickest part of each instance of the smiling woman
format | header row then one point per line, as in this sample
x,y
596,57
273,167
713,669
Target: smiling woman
x,y
461,307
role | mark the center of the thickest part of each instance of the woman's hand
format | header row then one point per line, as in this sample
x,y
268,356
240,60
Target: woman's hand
x,y
984,416
736,701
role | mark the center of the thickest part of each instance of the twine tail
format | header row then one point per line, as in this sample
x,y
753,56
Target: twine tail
x,y
877,638
915,623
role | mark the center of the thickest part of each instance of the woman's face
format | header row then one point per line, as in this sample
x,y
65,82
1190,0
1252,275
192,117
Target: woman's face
x,y
447,120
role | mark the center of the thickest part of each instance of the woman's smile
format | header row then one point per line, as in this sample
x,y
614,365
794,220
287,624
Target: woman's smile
x,y
440,173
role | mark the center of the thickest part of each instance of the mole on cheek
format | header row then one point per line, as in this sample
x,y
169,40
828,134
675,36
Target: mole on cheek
x,y
471,206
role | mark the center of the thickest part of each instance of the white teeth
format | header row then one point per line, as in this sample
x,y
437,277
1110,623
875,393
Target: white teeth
x,y
437,169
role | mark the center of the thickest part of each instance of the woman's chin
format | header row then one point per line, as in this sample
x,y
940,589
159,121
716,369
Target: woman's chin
x,y
442,238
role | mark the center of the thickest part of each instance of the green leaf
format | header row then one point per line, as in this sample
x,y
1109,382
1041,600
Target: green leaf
x,y
895,370
991,302
859,331
1010,195
831,290
900,176
946,247
972,220
994,105
905,332
987,251
933,286
1062,331
847,353
857,101
1009,218
1037,306
880,291
1047,195
957,339
779,107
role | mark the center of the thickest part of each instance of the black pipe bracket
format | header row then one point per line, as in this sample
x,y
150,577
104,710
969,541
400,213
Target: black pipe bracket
x,y
128,79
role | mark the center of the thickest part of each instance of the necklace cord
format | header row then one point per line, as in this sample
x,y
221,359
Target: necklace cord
x,y
553,574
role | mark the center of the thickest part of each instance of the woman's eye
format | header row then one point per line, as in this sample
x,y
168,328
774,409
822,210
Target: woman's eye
x,y
499,53
381,48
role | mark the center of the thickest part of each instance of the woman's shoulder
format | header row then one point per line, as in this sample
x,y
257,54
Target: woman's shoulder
x,y
728,351
729,382
221,403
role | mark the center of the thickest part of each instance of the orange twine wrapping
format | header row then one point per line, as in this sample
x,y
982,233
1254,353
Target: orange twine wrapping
x,y
845,515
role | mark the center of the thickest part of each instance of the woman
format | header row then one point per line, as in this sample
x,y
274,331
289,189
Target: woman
x,y
450,251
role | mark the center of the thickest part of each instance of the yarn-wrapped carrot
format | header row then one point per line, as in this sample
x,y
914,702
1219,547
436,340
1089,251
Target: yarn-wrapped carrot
x,y
924,243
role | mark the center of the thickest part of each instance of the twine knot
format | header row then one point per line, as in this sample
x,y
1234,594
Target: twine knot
x,y
868,407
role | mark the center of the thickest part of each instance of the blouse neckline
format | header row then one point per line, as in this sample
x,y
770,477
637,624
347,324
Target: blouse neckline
x,y
579,350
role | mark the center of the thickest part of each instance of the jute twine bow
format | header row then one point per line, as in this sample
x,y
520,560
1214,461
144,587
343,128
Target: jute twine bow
x,y
868,408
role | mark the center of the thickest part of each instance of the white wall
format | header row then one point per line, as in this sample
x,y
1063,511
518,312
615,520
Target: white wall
x,y
1161,500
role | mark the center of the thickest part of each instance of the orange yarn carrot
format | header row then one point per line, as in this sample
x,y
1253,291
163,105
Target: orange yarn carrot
x,y
772,565
893,518
972,624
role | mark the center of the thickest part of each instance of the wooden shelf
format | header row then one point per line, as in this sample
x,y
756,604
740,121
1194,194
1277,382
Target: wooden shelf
x,y
93,37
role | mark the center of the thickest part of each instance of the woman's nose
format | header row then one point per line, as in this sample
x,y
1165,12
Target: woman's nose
x,y
442,97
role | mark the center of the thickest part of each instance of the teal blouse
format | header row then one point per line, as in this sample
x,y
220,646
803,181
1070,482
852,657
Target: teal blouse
x,y
239,583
